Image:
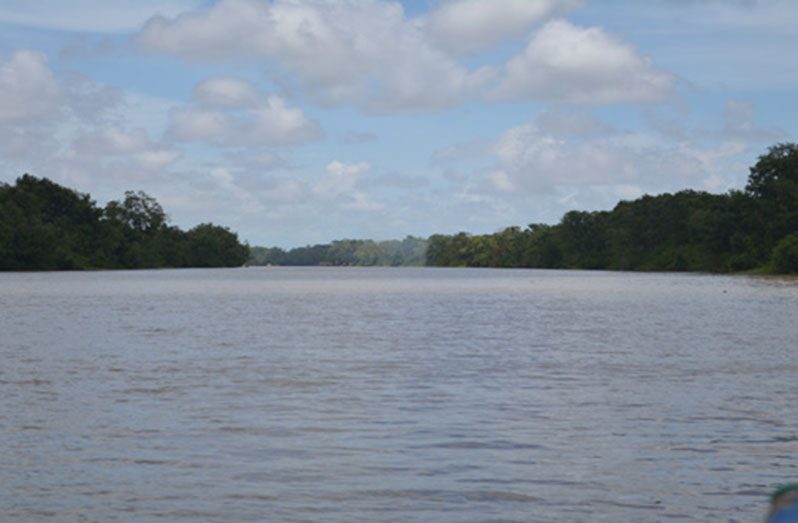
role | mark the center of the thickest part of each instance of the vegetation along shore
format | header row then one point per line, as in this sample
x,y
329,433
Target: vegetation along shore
x,y
45,226
755,229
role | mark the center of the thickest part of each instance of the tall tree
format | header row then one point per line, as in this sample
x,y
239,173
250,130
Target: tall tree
x,y
773,183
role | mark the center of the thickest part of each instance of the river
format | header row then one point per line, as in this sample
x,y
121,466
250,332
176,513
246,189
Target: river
x,y
407,395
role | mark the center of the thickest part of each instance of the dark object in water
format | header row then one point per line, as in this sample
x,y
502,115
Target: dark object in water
x,y
784,505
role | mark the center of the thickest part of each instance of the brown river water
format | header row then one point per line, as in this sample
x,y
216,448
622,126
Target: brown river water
x,y
406,395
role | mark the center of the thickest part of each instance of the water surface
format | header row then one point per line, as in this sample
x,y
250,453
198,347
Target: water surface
x,y
408,395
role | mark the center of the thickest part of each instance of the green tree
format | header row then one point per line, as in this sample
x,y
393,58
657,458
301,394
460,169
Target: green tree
x,y
46,226
785,255
540,247
774,172
773,183
214,246
139,211
583,240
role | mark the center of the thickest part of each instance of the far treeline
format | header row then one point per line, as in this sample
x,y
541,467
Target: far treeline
x,y
751,230
45,226
410,251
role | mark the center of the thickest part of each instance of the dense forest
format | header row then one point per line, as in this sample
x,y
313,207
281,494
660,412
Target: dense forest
x,y
752,229
410,251
45,226
755,229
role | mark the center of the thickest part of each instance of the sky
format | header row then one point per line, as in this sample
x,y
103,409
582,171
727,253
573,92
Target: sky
x,y
297,122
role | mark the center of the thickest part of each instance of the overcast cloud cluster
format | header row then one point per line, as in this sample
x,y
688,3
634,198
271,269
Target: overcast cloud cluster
x,y
298,121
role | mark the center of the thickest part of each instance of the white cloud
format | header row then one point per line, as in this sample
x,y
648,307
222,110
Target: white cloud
x,y
277,124
226,92
563,123
341,186
567,63
113,143
99,16
28,88
72,129
501,181
474,25
360,201
213,34
189,124
39,110
113,140
739,124
337,168
266,121
368,53
88,100
540,162
358,52
226,182
156,159
341,178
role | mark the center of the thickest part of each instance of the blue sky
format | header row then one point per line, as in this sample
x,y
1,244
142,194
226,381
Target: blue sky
x,y
296,122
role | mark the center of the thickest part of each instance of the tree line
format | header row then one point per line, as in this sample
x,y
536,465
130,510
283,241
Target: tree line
x,y
45,226
742,230
394,253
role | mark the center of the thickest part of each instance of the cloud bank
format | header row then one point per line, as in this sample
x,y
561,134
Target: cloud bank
x,y
370,54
